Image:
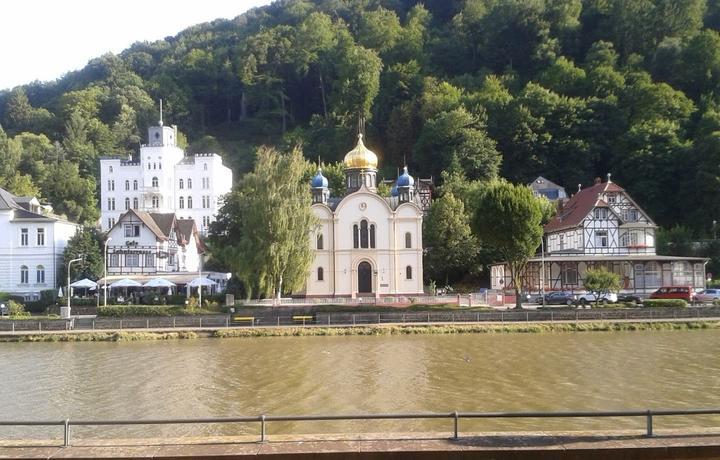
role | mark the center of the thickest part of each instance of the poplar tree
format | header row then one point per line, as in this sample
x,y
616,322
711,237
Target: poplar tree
x,y
263,230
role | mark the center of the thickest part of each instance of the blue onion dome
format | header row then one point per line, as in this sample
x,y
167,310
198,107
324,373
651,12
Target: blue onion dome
x,y
319,181
394,190
405,179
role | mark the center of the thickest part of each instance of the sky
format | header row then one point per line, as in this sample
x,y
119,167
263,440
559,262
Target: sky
x,y
44,39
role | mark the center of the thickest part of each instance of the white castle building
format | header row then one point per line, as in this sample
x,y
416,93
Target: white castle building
x,y
164,180
366,245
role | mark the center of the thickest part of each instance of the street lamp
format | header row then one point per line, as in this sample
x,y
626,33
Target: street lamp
x,y
105,277
65,311
200,280
542,274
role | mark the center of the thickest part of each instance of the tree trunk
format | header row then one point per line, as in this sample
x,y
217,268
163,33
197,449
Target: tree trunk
x,y
518,300
282,108
243,105
279,289
322,92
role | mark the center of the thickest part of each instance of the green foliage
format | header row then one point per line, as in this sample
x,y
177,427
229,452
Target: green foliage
x,y
130,311
16,309
665,303
600,281
88,245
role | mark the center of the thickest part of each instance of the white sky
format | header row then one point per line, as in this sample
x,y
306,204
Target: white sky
x,y
43,39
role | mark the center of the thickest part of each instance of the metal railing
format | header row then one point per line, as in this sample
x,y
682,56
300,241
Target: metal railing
x,y
273,318
455,417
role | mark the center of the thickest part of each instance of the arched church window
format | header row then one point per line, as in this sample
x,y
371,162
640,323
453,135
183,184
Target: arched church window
x,y
320,241
356,237
320,274
182,184
363,234
154,181
372,236
408,272
135,185
127,185
408,240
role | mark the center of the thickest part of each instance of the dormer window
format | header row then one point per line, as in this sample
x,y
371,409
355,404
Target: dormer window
x,y
601,213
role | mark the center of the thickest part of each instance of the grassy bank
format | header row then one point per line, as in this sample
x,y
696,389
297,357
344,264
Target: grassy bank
x,y
100,337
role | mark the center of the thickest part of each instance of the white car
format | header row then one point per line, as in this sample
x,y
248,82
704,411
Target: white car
x,y
708,295
589,297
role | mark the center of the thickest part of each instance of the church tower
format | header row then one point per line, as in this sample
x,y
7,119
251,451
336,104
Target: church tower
x,y
320,190
360,168
405,187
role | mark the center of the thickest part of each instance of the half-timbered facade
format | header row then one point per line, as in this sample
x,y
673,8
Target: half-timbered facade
x,y
602,226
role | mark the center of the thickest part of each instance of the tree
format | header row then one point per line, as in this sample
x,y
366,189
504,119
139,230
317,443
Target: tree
x,y
451,248
86,244
601,282
508,217
263,229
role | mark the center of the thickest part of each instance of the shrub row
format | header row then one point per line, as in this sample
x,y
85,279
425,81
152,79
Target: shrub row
x,y
665,303
124,311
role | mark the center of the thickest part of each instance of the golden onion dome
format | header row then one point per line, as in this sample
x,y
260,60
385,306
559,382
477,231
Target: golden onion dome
x,y
360,157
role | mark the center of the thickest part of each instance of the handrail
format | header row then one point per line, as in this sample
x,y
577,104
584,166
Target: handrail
x,y
455,416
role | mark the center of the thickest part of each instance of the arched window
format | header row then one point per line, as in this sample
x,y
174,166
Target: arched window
x,y
155,202
320,274
363,234
320,241
189,201
155,181
182,184
372,236
182,202
205,166
127,185
408,272
40,274
189,183
135,203
135,185
127,203
111,169
356,237
160,164
23,274
408,240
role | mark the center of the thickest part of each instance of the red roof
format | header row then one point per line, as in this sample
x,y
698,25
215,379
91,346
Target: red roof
x,y
580,205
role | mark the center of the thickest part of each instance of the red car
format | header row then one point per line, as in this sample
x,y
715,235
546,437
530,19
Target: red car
x,y
686,293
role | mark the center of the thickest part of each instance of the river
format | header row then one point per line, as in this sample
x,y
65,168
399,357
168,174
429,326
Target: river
x,y
361,374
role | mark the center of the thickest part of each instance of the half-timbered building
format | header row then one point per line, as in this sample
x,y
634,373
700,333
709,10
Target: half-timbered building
x,y
602,226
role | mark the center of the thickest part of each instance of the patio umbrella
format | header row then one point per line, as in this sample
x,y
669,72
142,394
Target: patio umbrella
x,y
201,282
84,284
159,282
125,283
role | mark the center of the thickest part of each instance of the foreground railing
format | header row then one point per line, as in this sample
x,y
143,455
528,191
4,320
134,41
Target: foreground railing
x,y
455,417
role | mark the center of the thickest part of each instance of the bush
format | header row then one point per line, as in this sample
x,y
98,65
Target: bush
x,y
665,303
175,299
36,307
16,309
121,311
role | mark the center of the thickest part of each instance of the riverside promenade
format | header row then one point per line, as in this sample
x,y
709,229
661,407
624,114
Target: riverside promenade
x,y
499,446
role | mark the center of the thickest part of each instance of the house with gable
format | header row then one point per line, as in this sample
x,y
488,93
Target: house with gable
x,y
147,243
602,226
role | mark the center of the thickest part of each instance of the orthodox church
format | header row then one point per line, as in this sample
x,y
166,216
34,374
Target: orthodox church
x,y
366,245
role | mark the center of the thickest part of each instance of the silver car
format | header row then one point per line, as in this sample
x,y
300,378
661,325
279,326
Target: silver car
x,y
707,296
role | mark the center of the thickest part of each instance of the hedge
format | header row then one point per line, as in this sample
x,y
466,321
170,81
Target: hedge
x,y
666,303
124,311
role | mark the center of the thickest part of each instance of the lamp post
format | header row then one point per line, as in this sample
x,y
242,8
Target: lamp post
x,y
200,281
542,273
105,277
65,311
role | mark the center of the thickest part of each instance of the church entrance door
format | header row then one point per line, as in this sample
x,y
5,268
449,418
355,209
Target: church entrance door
x,y
364,278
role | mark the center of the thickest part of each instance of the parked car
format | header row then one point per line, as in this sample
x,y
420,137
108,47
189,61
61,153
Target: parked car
x,y
629,298
4,310
558,298
685,293
590,297
707,296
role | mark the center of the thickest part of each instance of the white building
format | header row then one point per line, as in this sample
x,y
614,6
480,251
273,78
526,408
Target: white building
x,y
148,243
164,180
602,226
366,245
31,249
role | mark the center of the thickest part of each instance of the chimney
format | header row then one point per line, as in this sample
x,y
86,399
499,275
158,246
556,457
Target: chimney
x,y
598,180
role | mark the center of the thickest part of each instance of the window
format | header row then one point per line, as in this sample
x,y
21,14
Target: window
x,y
132,231
182,184
111,185
205,201
320,274
155,182
111,204
40,274
372,236
41,237
189,183
408,240
135,203
601,213
110,169
23,274
612,198
127,203
408,272
127,185
205,166
629,239
205,182
206,221
135,184
181,205
356,237
562,242
114,261
132,259
630,215
320,241
160,164
149,166
155,202
23,237
601,238
569,275
189,201
363,234
149,260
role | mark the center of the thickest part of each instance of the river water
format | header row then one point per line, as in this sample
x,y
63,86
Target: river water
x,y
339,375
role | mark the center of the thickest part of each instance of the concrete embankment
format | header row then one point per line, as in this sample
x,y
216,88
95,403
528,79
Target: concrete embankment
x,y
499,446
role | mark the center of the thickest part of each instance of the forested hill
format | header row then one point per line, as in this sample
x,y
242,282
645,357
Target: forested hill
x,y
570,89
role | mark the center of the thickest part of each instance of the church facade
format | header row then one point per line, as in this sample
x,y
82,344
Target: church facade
x,y
366,245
